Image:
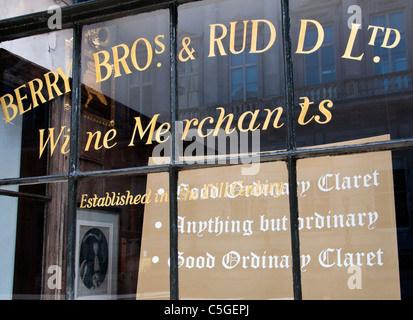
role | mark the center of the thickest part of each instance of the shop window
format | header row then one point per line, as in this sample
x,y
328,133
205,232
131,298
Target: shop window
x,y
352,211
140,90
236,244
325,212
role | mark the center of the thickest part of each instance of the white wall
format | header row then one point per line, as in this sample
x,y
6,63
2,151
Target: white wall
x,y
10,146
13,8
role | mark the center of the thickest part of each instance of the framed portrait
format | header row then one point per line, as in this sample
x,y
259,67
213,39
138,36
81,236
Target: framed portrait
x,y
96,255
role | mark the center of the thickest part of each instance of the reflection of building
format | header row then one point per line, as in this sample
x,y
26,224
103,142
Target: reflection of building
x,y
33,200
381,89
371,98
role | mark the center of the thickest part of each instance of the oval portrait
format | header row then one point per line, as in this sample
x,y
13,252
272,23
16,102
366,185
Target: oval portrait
x,y
93,258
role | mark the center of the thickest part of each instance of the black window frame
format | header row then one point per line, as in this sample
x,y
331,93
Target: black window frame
x,y
82,13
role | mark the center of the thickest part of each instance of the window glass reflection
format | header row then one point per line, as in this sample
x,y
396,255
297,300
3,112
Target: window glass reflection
x,y
348,227
357,58
35,91
236,243
122,239
125,91
234,75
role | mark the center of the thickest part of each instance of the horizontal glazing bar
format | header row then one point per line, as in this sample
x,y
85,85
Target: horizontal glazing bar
x,y
30,196
34,180
261,158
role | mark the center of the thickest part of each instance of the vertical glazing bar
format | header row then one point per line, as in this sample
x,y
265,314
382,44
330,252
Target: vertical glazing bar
x,y
173,173
288,75
295,237
173,231
73,163
291,145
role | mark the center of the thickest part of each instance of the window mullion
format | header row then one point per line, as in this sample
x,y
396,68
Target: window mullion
x,y
291,146
73,162
173,171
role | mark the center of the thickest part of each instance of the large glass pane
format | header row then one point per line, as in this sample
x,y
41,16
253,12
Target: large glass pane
x,y
125,91
35,95
234,233
122,238
348,225
403,197
357,80
239,75
32,227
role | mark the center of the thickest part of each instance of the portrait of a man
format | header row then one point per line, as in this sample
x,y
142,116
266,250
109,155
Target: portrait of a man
x,y
93,259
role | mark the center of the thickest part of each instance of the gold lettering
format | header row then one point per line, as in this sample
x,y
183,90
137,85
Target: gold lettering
x,y
374,34
201,124
252,122
65,77
254,36
137,199
232,37
53,85
84,197
221,119
109,136
324,111
36,93
303,30
161,132
163,197
122,60
304,108
188,124
35,86
146,198
6,106
65,144
149,57
160,44
218,41
104,63
280,111
350,44
19,99
150,128
89,141
387,37
50,138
